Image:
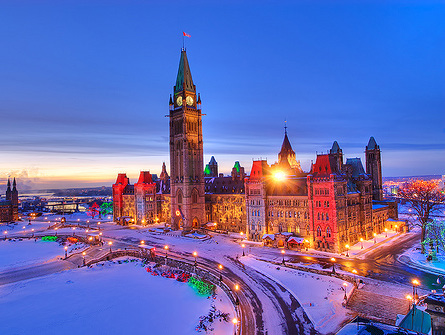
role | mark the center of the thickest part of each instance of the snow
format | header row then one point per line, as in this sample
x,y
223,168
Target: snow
x,y
108,298
419,259
320,296
20,253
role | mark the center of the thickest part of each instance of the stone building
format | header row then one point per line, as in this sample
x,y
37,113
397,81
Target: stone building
x,y
335,204
9,208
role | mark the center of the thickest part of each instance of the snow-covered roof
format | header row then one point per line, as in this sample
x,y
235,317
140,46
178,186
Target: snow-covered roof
x,y
285,233
294,239
210,224
379,206
268,236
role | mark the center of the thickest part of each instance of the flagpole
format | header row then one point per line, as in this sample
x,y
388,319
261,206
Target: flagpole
x,y
183,41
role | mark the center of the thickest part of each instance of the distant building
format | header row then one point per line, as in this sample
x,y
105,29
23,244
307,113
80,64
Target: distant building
x,y
9,206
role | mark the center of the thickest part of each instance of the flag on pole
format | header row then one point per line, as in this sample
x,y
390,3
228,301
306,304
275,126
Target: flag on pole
x,y
186,35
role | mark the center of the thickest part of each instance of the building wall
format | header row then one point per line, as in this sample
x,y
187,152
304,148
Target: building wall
x,y
228,211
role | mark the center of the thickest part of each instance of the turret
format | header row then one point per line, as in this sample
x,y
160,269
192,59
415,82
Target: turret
x,y
8,191
337,155
374,168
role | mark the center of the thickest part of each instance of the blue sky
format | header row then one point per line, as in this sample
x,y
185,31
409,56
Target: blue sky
x,y
84,85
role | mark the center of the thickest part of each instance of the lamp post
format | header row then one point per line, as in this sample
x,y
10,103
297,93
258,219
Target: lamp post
x,y
386,232
415,283
110,243
235,323
5,232
410,301
236,290
166,253
361,241
283,252
66,252
220,267
307,244
333,265
243,246
195,254
347,250
375,237
344,288
83,254
396,228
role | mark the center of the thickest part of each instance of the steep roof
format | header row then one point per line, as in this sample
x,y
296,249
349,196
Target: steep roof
x,y
184,78
286,148
213,161
259,170
335,148
324,166
356,165
417,320
145,178
372,144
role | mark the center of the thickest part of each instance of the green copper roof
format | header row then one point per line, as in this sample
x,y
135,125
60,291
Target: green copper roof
x,y
237,166
184,78
417,320
207,170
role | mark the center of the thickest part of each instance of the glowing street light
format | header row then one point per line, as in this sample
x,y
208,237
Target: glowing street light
x,y
347,250
344,288
5,232
142,242
66,252
243,246
354,271
415,283
374,237
220,267
283,252
361,241
110,243
235,323
333,265
386,232
307,244
166,252
83,254
195,254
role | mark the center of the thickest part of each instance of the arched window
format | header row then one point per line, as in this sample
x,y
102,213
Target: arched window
x,y
318,231
194,196
179,197
327,217
328,232
308,230
318,216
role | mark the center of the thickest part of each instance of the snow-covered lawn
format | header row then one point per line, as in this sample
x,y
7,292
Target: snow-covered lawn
x,y
320,296
420,259
106,299
20,253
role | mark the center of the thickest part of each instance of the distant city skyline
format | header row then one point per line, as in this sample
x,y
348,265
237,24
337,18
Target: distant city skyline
x,y
85,84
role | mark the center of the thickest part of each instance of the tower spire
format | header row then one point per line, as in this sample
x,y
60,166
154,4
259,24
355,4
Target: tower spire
x,y
285,127
184,81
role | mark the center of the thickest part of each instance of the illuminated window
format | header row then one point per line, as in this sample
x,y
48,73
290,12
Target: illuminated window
x,y
318,231
328,232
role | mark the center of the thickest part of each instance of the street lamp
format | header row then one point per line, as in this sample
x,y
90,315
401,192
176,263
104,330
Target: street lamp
x,y
5,232
395,227
347,250
386,232
243,246
142,242
166,251
410,301
307,244
374,237
333,265
220,267
236,289
283,252
195,254
235,323
361,241
344,288
110,243
415,284
83,254
66,252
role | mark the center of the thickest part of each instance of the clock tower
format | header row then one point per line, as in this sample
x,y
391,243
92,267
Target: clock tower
x,y
186,152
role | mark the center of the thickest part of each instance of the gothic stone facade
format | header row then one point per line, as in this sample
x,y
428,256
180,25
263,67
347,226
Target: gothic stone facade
x,y
9,207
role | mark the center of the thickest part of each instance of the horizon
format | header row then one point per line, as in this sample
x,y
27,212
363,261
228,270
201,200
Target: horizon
x,y
82,102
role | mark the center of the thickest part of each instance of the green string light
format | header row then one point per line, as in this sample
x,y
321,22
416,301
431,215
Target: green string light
x,y
201,287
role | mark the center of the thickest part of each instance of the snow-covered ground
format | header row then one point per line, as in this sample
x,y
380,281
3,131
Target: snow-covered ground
x,y
419,259
14,253
320,296
106,299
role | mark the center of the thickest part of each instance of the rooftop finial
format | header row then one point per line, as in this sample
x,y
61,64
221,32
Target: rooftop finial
x,y
285,127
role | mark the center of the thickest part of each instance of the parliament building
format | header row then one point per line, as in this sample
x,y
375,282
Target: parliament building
x,y
333,205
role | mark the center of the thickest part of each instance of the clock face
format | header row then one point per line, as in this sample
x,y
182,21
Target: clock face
x,y
179,101
189,100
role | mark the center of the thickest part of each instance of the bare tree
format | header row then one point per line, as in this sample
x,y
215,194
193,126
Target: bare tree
x,y
424,198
